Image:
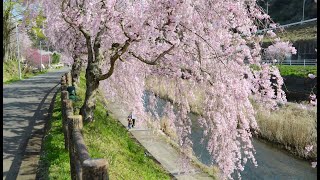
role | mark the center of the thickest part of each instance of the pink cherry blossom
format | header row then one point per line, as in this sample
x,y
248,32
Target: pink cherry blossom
x,y
311,76
280,50
308,148
271,33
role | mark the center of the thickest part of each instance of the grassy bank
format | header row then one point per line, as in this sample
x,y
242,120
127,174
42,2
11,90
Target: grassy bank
x,y
11,72
105,138
304,32
292,126
297,71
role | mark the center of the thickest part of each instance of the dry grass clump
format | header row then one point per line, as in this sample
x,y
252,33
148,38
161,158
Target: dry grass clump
x,y
293,125
167,129
165,89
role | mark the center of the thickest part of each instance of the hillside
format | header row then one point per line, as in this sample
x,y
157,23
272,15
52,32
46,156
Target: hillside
x,y
305,32
289,11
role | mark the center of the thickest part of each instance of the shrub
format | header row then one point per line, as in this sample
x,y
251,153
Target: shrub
x,y
33,58
55,58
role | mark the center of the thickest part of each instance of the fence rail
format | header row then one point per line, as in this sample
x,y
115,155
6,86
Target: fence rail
x,y
288,25
82,167
300,62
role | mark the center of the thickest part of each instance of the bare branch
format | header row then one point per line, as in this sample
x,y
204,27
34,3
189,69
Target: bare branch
x,y
121,59
199,51
155,61
124,32
205,71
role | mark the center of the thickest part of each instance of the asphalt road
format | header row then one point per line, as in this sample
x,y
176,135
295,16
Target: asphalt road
x,y
25,110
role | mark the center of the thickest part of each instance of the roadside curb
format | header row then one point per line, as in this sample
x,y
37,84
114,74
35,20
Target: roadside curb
x,y
31,156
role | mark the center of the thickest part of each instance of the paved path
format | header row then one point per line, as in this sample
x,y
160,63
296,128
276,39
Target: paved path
x,y
157,145
25,109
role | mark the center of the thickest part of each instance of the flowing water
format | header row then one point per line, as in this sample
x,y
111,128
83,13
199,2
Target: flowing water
x,y
273,162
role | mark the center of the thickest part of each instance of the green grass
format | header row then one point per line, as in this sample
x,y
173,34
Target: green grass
x,y
105,138
11,73
54,160
297,71
108,139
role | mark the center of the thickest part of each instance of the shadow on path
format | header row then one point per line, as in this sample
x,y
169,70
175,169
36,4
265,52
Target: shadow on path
x,y
15,167
25,108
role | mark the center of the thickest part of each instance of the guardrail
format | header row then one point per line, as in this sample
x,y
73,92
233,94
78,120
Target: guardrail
x,y
304,62
81,165
57,65
287,25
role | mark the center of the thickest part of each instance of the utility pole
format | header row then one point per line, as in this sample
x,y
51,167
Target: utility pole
x,y
303,10
267,7
49,55
18,51
40,58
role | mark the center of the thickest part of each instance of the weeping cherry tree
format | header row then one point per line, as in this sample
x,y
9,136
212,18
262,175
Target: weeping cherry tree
x,y
210,44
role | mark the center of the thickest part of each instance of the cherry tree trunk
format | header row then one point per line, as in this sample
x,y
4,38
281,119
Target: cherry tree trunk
x,y
91,92
75,71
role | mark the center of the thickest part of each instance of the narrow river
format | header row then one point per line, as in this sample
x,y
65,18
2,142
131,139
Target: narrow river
x,y
273,162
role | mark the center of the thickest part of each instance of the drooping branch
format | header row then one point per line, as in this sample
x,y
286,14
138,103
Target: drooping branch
x,y
155,61
114,58
63,14
83,31
213,50
199,52
102,28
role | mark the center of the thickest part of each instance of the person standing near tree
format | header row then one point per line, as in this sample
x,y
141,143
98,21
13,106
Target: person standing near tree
x,y
129,123
133,118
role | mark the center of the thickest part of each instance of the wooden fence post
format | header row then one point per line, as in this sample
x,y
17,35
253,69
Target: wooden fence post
x,y
67,111
63,83
74,123
66,75
63,79
69,78
64,97
81,151
95,169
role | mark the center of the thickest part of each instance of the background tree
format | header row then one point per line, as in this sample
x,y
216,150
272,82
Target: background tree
x,y
11,12
27,16
71,43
